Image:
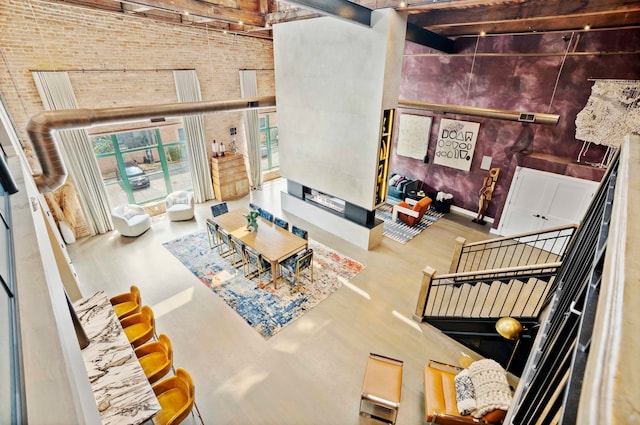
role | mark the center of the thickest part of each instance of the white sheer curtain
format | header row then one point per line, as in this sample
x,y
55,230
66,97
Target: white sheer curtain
x,y
188,90
56,93
249,88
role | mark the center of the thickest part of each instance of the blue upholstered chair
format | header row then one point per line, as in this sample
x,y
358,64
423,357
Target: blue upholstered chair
x,y
212,234
281,223
219,209
296,264
253,206
239,256
258,262
300,232
266,215
224,248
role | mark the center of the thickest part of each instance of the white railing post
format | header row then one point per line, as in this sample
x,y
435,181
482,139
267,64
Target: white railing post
x,y
457,253
427,276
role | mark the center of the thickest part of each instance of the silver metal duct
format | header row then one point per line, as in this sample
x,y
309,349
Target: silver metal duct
x,y
527,117
41,126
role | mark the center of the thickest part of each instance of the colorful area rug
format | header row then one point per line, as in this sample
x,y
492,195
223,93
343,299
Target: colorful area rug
x,y
266,310
399,231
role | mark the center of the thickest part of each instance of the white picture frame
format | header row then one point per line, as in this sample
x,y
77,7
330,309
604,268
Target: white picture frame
x,y
456,143
413,135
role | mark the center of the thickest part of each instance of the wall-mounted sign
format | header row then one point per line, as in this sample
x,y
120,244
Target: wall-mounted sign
x,y
456,143
413,136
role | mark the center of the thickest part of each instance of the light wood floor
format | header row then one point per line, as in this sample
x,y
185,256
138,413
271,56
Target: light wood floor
x,y
310,372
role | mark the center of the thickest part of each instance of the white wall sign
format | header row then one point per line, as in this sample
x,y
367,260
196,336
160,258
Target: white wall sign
x,y
413,135
456,143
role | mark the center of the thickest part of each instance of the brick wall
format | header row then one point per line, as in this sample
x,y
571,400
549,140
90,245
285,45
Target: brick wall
x,y
122,60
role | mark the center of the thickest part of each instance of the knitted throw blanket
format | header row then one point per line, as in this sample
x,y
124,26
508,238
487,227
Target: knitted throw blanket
x,y
491,387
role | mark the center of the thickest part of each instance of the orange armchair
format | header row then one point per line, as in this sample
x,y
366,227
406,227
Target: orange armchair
x,y
139,327
411,211
127,304
156,358
176,396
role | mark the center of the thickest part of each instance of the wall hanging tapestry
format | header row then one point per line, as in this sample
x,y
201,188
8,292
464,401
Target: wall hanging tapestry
x,y
456,143
612,112
266,310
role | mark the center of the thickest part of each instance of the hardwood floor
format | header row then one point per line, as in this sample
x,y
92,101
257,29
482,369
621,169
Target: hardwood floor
x,y
310,372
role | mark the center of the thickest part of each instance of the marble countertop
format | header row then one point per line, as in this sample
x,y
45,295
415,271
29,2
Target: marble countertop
x,y
121,389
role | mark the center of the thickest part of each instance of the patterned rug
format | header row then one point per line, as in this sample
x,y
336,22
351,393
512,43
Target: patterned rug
x,y
266,310
399,231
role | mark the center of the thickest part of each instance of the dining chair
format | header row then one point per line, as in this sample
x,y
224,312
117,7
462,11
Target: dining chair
x,y
219,209
156,358
266,215
257,261
126,304
140,327
239,256
253,206
176,395
280,222
300,232
223,238
296,264
212,234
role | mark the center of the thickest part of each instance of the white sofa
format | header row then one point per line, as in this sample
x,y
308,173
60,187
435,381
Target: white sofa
x,y
179,205
130,220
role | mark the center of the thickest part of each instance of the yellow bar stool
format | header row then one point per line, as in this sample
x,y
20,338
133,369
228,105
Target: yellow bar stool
x,y
127,304
139,327
156,358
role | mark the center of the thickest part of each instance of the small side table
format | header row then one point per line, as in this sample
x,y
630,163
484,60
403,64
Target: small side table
x,y
416,195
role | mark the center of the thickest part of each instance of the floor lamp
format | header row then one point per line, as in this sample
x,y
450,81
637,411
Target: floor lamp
x,y
509,328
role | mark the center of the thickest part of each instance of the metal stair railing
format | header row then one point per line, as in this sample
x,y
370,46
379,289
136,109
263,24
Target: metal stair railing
x,y
513,291
512,275
540,247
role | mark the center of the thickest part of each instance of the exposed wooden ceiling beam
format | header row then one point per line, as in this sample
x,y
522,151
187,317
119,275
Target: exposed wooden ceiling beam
x,y
631,19
232,11
516,15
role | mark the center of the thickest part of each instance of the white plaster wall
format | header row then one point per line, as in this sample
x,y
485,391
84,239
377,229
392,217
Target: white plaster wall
x,y
333,80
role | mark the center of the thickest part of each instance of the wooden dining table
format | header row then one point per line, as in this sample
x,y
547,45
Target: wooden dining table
x,y
273,242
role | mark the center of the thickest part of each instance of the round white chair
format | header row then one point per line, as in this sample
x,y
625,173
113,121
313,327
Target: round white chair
x,y
130,220
179,205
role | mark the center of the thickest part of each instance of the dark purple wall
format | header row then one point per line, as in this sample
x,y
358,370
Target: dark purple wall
x,y
513,73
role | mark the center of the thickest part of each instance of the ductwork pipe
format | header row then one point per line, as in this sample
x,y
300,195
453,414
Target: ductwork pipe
x,y
41,127
526,117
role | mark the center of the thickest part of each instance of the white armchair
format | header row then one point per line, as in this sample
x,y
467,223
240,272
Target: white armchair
x,y
130,220
179,205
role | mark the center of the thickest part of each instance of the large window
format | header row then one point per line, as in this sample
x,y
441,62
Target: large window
x,y
142,166
269,142
12,408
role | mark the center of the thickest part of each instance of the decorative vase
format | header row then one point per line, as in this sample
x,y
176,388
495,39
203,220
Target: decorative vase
x,y
252,222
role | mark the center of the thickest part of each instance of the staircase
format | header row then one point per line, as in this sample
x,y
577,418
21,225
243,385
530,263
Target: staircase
x,y
511,276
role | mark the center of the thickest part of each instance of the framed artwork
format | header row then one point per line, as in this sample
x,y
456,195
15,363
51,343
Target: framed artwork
x,y
413,135
456,143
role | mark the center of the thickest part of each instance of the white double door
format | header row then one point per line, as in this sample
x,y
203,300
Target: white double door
x,y
539,200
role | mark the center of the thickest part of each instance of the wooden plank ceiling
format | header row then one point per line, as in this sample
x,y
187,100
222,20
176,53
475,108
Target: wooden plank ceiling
x,y
450,18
